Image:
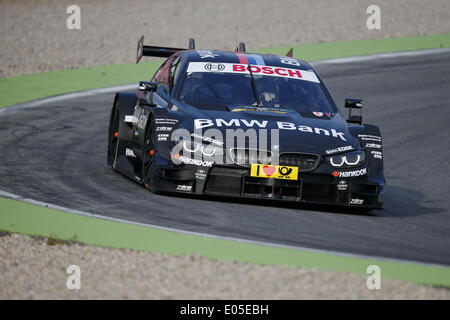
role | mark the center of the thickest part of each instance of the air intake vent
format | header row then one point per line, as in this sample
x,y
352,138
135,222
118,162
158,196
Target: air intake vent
x,y
245,157
305,162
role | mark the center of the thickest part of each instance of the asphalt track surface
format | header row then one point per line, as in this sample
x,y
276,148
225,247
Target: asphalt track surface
x,y
56,153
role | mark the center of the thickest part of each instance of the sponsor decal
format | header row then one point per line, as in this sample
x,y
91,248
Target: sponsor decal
x,y
317,114
373,145
342,185
350,174
200,174
368,137
163,128
319,131
377,154
163,136
214,67
256,69
166,121
182,187
195,162
206,54
129,119
290,61
277,172
246,58
129,153
207,139
204,123
258,110
340,149
356,201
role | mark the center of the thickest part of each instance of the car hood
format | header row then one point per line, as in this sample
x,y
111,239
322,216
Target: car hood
x,y
306,132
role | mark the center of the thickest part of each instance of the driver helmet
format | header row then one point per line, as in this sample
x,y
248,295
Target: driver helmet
x,y
268,95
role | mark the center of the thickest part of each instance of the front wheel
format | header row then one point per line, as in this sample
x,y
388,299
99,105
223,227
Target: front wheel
x,y
148,155
113,136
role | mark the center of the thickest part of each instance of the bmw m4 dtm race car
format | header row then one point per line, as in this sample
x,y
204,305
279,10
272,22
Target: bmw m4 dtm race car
x,y
244,125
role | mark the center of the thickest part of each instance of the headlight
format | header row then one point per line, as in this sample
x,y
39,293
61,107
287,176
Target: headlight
x,y
191,146
206,150
347,160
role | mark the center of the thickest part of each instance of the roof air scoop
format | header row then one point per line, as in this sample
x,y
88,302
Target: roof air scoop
x,y
191,44
241,47
290,53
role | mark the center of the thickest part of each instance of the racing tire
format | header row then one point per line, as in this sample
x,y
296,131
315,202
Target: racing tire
x,y
147,155
113,136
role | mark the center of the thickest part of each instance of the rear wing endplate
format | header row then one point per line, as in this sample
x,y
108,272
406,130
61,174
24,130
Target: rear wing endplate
x,y
154,51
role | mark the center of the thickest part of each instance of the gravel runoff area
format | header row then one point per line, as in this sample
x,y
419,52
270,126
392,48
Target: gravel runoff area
x,y
35,37
35,268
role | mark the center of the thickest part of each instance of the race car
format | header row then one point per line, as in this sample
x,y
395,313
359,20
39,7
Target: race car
x,y
244,125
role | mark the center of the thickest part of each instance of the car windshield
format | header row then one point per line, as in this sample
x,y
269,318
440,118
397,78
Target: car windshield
x,y
203,89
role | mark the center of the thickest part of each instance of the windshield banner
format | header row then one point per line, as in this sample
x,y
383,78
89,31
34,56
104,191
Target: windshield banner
x,y
256,70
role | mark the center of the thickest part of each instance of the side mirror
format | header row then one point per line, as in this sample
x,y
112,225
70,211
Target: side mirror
x,y
354,104
147,86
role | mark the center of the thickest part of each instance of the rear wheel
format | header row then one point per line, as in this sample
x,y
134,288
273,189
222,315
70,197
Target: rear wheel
x,y
148,155
113,136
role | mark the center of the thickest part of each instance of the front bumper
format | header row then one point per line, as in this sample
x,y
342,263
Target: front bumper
x,y
310,188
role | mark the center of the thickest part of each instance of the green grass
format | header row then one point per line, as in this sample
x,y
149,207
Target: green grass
x,y
19,89
330,50
24,88
20,217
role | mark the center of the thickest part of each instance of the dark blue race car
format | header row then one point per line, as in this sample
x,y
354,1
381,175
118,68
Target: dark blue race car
x,y
244,125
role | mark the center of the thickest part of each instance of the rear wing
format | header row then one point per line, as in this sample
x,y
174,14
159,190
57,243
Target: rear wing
x,y
155,51
165,52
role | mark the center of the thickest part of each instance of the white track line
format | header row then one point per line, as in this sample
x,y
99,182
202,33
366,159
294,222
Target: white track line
x,y
63,97
381,56
87,93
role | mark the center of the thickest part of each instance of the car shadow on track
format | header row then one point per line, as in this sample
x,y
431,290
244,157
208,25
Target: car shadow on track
x,y
398,202
273,203
401,201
